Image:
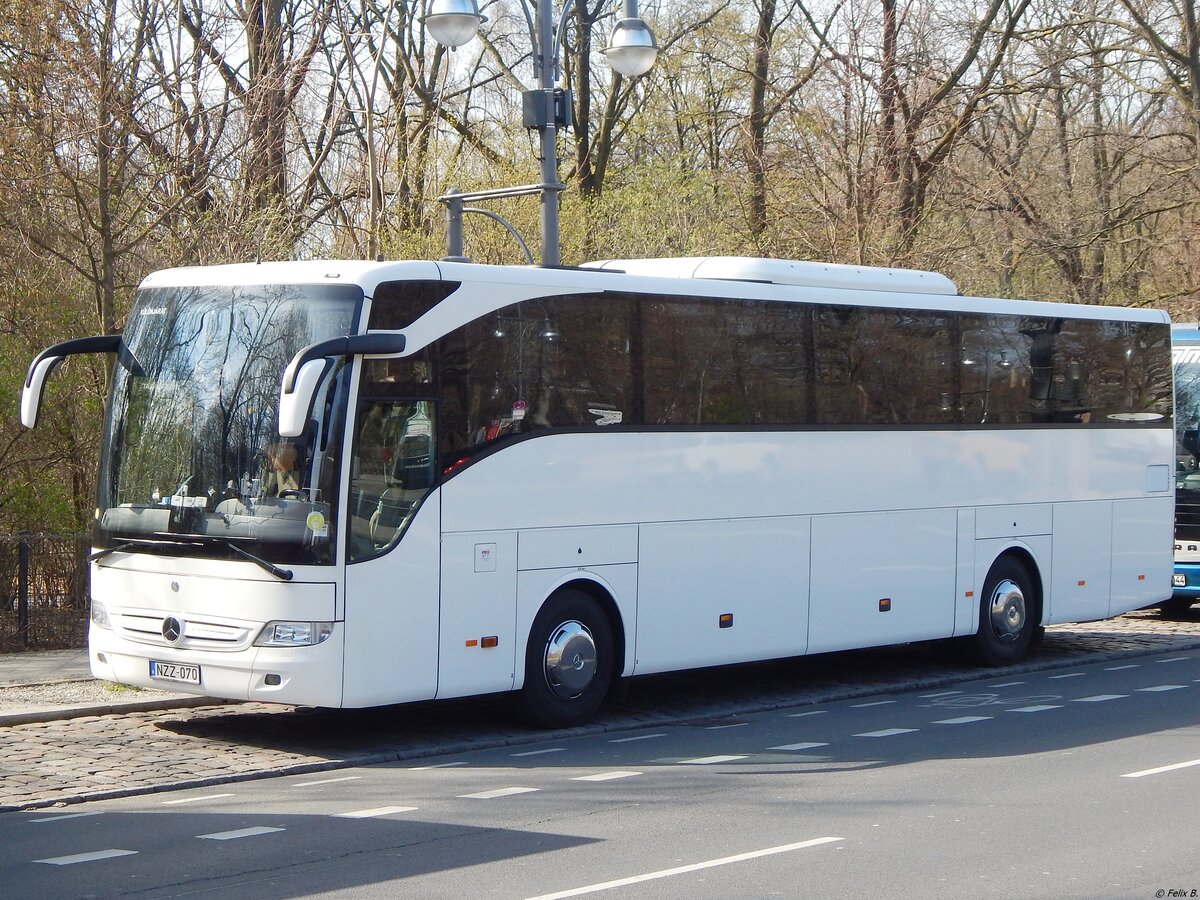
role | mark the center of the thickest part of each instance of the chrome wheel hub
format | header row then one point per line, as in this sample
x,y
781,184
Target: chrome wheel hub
x,y
1007,610
570,660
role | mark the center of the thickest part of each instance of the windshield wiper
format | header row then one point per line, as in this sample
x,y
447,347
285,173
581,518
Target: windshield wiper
x,y
280,573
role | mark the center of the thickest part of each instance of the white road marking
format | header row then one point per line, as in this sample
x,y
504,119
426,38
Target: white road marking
x,y
374,813
811,712
327,781
540,752
719,727
1121,668
875,703
808,745
1173,659
498,792
195,799
85,857
942,694
962,720
65,816
1171,768
1070,675
886,732
709,760
639,737
1162,687
606,776
1041,707
1008,684
681,870
449,765
240,833
1099,698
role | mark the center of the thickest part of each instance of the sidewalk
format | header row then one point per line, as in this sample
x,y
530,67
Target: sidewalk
x,y
47,685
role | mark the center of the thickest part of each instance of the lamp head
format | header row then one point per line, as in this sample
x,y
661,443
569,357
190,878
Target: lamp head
x,y
632,49
453,23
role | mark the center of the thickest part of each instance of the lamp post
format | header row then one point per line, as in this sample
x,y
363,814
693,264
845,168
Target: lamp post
x,y
546,108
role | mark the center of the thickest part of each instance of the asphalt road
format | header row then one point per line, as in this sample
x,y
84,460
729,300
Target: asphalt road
x,y
1079,781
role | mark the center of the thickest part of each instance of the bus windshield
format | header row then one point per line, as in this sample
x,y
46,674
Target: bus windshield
x,y
1187,416
192,458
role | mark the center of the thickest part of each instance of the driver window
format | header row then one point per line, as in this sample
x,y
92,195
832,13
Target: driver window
x,y
394,459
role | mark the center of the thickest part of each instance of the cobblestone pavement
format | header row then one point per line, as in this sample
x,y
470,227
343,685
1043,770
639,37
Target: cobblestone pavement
x,y
87,758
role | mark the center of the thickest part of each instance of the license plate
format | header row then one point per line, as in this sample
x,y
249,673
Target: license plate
x,y
1180,581
164,671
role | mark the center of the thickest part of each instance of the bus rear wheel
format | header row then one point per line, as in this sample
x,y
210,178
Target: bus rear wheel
x,y
568,662
1008,619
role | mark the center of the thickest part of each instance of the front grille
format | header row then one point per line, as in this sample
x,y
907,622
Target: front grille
x,y
198,634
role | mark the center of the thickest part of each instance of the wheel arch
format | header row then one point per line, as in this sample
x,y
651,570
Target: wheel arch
x,y
1022,554
605,597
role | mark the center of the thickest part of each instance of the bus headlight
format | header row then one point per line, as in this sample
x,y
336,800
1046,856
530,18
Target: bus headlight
x,y
100,615
293,634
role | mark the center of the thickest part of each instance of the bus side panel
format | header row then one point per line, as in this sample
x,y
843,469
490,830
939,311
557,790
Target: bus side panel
x,y
908,559
690,574
392,618
1141,553
1080,581
479,599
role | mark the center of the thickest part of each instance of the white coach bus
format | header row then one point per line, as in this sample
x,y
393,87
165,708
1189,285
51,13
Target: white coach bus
x,y
349,484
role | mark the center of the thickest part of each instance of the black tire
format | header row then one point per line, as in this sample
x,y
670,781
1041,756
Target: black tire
x,y
1176,607
568,662
1009,614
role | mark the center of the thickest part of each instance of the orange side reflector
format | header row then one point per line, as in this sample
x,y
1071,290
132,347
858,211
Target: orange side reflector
x,y
472,643
1082,583
885,604
969,594
1141,578
489,642
725,620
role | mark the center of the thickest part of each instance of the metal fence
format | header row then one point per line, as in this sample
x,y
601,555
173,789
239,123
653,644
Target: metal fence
x,y
43,591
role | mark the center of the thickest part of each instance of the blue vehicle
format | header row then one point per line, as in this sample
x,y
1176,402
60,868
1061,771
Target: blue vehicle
x,y
1186,360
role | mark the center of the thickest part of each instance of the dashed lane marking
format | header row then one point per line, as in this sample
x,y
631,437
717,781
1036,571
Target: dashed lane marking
x,y
1040,707
498,792
1008,684
1070,675
807,745
327,781
941,694
540,752
1160,769
85,857
195,799
709,760
721,727
65,816
606,776
375,813
874,703
638,737
1162,687
1099,698
240,833
811,712
1173,659
962,720
1122,668
886,732
682,870
449,765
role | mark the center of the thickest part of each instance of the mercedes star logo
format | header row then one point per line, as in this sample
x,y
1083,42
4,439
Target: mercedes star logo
x,y
172,629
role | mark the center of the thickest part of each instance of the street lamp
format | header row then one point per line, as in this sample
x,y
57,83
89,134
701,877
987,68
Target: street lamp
x,y
631,52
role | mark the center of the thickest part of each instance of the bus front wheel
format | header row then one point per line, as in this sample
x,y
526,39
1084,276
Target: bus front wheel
x,y
1008,614
568,662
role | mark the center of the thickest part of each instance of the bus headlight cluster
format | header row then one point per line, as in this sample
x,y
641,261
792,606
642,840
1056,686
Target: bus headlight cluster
x,y
100,615
293,634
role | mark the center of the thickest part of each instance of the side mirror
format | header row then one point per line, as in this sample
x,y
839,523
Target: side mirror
x,y
300,379
47,361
